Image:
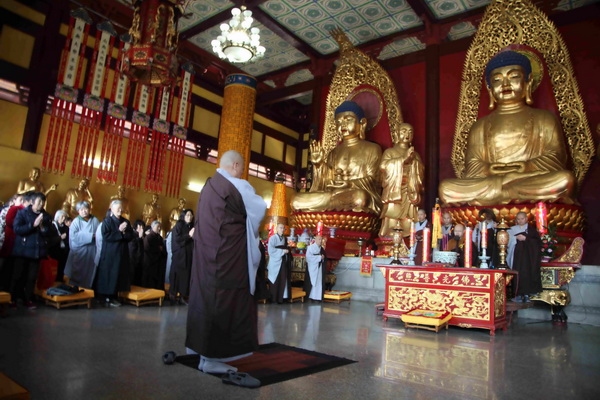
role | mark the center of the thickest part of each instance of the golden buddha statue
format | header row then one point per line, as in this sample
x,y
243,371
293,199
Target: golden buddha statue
x,y
402,176
516,153
151,211
346,179
75,195
121,196
32,183
176,212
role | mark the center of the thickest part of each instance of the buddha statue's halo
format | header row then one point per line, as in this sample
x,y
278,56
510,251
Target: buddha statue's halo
x,y
352,107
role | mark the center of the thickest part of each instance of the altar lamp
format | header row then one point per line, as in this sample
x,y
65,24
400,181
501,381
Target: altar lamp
x,y
541,217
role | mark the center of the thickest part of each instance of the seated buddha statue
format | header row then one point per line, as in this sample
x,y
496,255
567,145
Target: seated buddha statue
x,y
516,153
346,179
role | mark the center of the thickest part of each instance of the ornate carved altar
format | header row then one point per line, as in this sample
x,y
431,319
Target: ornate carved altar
x,y
475,297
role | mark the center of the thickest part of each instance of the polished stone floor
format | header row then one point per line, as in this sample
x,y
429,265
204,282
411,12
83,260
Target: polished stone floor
x,y
116,354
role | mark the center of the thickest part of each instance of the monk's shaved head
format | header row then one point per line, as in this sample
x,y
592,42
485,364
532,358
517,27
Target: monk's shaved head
x,y
232,162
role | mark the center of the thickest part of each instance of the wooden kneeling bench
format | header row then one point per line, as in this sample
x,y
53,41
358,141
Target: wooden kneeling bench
x,y
425,319
83,298
336,296
297,294
140,296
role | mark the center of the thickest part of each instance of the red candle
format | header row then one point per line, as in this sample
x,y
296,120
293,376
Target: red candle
x,y
320,228
271,229
541,216
484,235
412,235
468,244
426,244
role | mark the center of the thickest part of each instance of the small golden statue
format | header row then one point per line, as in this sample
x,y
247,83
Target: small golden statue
x,y
176,212
402,175
33,184
151,211
122,197
517,153
346,179
75,195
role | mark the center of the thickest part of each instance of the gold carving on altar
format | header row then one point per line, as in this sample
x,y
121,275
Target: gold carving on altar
x,y
461,304
573,253
499,295
556,277
456,279
518,23
553,297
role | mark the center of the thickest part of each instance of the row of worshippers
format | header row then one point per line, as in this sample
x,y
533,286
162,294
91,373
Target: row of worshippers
x,y
280,268
523,252
90,253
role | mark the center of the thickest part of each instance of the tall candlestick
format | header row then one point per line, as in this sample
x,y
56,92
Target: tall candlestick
x,y
426,244
412,235
468,244
484,235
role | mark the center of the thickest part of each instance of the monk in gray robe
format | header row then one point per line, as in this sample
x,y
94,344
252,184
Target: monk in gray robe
x,y
82,236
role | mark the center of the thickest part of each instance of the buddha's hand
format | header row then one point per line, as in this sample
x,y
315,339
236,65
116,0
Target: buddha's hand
x,y
317,153
337,184
53,187
505,168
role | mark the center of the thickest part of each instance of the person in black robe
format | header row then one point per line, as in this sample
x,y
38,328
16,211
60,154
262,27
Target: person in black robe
x,y
262,290
58,243
182,248
222,317
136,252
525,257
155,258
113,274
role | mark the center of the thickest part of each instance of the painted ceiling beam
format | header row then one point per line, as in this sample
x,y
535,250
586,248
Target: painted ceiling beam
x,y
286,93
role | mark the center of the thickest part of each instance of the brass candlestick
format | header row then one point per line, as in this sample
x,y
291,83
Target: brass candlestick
x,y
397,240
502,239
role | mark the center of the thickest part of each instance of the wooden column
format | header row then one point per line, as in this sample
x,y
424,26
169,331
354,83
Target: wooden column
x,y
237,117
44,69
432,139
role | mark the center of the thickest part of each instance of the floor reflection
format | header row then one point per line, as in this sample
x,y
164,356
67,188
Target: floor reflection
x,y
456,364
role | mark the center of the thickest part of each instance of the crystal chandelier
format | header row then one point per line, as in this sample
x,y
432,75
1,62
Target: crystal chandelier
x,y
238,42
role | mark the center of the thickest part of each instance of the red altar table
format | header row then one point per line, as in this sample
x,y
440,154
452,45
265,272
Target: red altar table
x,y
475,297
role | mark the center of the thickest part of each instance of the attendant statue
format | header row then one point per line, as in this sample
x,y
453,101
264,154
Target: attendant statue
x,y
346,179
33,184
122,197
402,176
516,153
176,212
76,195
151,211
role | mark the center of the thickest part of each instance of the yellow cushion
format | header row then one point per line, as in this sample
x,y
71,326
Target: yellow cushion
x,y
337,294
138,293
86,294
426,317
297,292
4,297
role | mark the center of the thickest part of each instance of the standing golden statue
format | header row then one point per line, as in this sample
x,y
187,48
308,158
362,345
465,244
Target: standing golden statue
x,y
122,197
176,212
346,179
402,180
516,153
151,211
75,195
32,183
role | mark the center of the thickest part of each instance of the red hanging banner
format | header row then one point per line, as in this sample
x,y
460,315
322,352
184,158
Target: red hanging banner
x,y
108,171
178,140
66,93
159,142
93,103
138,135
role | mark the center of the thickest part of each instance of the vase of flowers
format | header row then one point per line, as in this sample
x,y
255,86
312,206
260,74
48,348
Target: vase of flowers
x,y
549,242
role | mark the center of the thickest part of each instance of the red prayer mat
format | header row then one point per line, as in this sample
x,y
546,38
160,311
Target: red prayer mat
x,y
275,362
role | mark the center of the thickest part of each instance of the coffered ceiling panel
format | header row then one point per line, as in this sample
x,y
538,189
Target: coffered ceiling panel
x,y
362,20
201,10
448,8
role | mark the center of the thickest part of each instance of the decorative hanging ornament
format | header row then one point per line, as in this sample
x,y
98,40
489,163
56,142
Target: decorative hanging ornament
x,y
151,58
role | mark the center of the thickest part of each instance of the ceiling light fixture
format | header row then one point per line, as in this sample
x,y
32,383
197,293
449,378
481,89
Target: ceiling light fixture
x,y
238,41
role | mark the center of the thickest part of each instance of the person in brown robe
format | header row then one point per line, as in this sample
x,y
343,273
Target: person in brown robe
x,y
457,245
222,315
155,258
525,256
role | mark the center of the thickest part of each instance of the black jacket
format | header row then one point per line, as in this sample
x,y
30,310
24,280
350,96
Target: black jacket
x,y
30,241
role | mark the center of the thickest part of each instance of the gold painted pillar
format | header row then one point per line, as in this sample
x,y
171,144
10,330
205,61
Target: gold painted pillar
x,y
237,117
278,212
